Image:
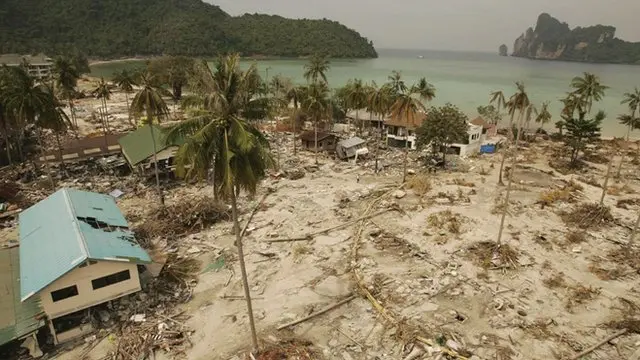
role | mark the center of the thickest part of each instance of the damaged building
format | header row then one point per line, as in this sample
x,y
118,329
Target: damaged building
x,y
76,252
138,149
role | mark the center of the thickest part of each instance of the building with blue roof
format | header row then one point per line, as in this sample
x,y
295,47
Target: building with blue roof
x,y
76,251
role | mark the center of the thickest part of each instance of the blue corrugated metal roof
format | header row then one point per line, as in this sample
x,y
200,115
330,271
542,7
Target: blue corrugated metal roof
x,y
68,228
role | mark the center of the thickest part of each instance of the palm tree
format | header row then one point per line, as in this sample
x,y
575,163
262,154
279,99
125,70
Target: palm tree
x,y
379,102
588,88
630,122
294,94
53,118
26,100
544,116
125,81
6,122
223,138
149,102
497,97
632,99
356,97
517,102
316,69
317,105
102,91
407,105
66,75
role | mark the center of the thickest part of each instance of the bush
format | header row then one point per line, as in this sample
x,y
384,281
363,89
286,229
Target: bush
x,y
420,184
588,215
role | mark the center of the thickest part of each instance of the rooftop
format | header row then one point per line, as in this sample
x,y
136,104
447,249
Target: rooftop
x,y
351,142
15,59
411,122
310,135
17,318
137,146
68,228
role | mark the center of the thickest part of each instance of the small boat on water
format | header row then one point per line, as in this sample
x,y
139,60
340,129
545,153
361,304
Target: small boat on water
x,y
420,57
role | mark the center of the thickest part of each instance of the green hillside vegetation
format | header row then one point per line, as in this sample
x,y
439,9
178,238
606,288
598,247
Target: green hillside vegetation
x,y
554,40
120,28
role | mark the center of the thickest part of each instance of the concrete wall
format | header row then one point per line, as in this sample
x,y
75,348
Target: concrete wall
x,y
87,297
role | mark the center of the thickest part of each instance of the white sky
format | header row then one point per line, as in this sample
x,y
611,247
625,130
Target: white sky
x,y
474,25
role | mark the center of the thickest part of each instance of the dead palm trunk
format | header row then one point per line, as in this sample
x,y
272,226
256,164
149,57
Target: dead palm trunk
x,y
504,153
155,160
633,234
606,183
513,169
243,269
295,115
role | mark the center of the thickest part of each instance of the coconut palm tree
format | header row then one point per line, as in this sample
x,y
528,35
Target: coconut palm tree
x,y
356,97
148,101
632,99
407,105
588,88
294,94
543,116
316,105
379,103
222,137
630,122
26,99
102,91
317,69
7,122
126,80
517,102
66,76
55,119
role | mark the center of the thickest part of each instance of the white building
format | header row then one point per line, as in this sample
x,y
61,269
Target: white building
x,y
39,66
473,143
402,132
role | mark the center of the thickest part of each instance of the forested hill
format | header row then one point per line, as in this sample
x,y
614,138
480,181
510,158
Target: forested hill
x,y
554,40
120,28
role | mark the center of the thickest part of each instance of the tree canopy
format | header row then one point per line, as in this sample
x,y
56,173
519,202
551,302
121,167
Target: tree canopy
x,y
444,125
118,28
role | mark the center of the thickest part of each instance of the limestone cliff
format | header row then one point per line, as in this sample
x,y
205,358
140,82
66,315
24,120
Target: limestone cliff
x,y
554,40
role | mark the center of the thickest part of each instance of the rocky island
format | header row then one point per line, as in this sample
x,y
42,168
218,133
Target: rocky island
x,y
127,28
503,50
554,40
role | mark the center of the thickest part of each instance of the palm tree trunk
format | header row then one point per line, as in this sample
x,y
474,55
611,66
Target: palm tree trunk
x,y
316,139
606,183
359,123
294,130
44,157
504,153
155,161
243,269
126,97
60,150
513,169
619,171
406,158
5,134
74,120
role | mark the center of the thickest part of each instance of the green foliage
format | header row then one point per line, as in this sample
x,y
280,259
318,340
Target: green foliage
x,y
444,125
581,131
173,71
591,44
490,113
221,137
118,28
588,88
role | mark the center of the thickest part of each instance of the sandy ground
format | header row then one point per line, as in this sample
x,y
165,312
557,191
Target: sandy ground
x,y
549,302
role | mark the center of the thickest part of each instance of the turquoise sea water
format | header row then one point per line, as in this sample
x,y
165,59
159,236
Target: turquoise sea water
x,y
466,78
